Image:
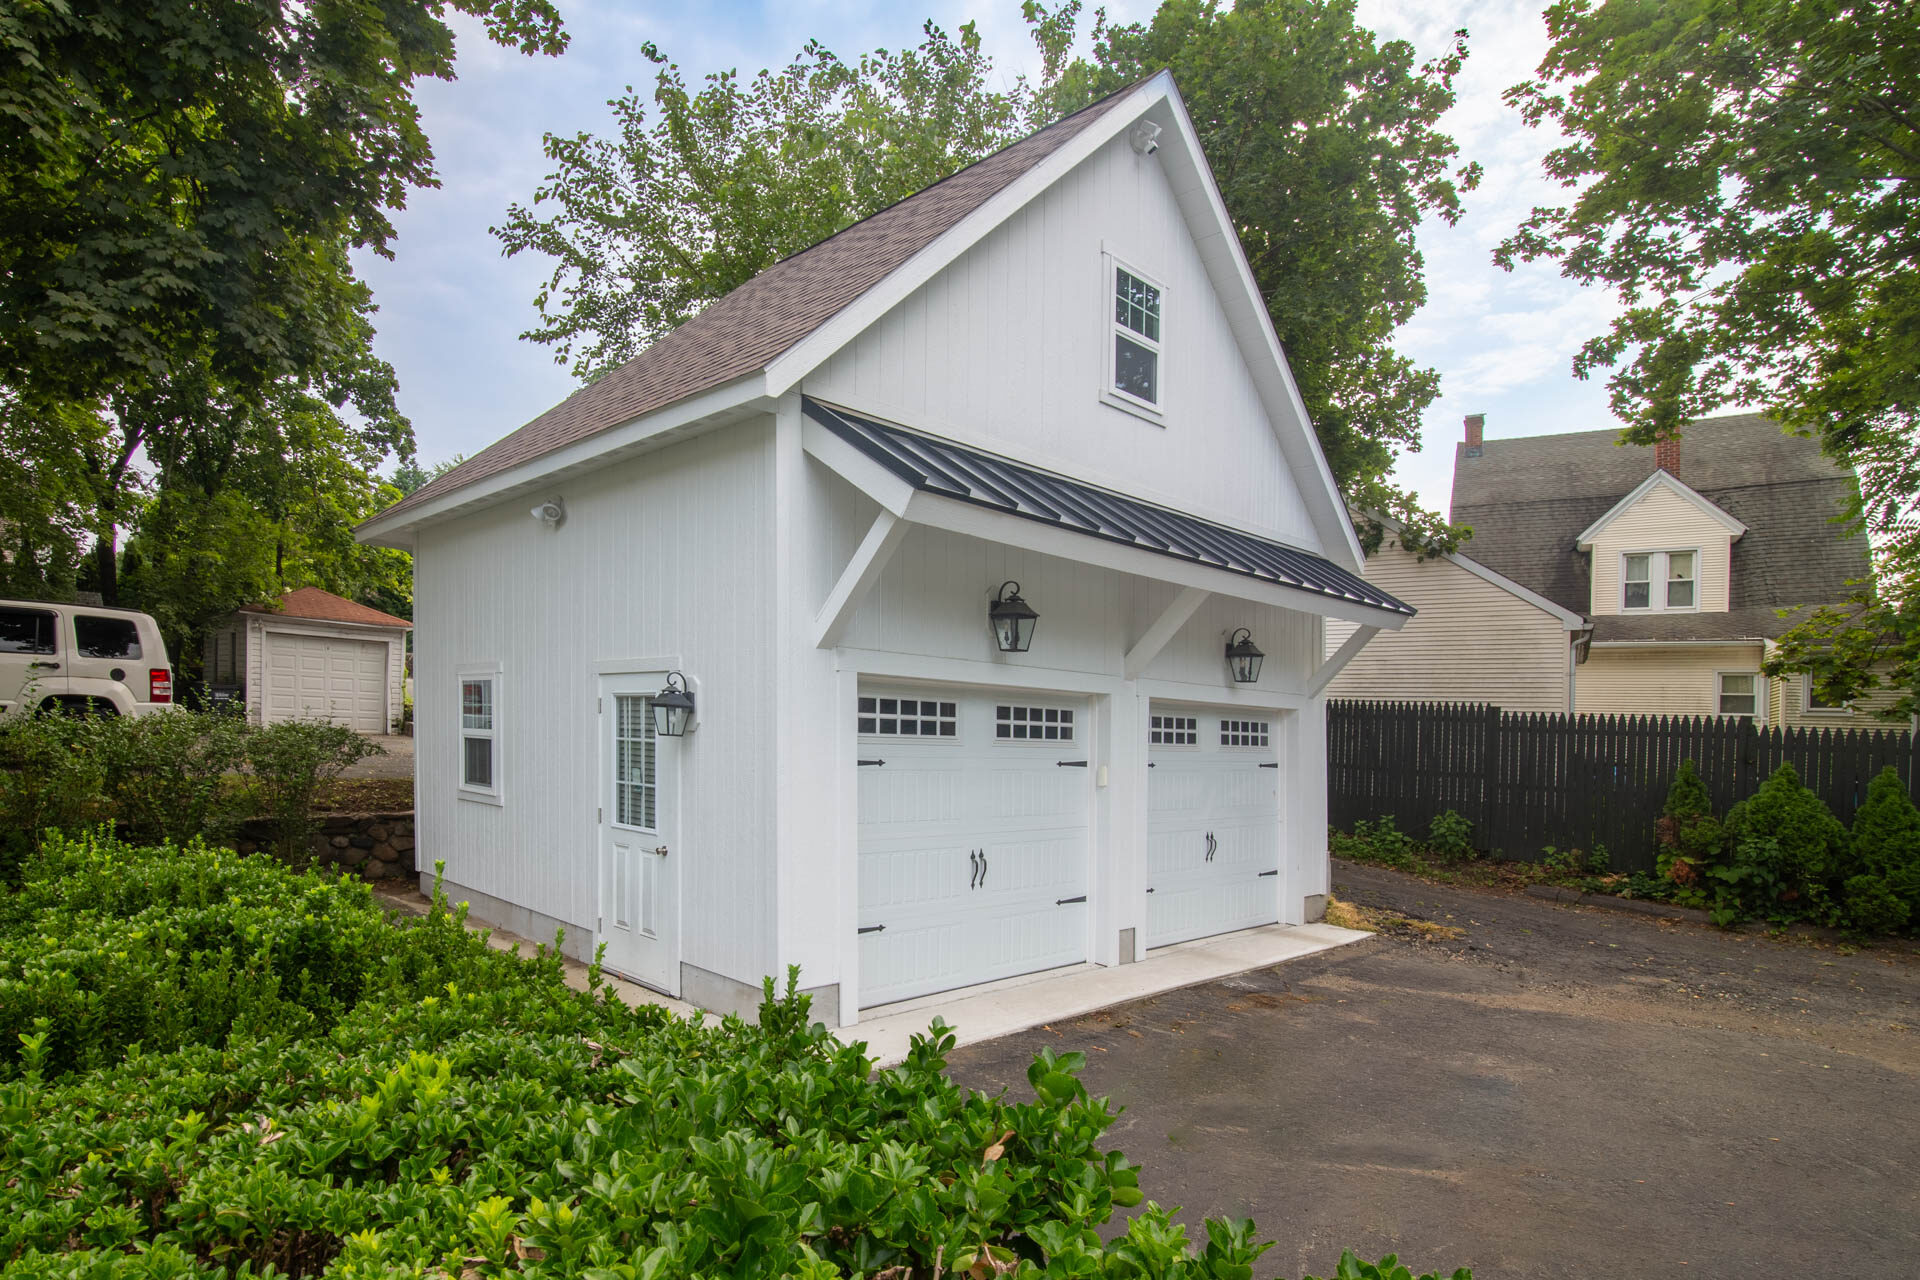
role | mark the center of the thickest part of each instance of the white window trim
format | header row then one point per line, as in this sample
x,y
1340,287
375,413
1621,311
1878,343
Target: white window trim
x,y
1759,715
1109,328
1657,601
496,794
1806,701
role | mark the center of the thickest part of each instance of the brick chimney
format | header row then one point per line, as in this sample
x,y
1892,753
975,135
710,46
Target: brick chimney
x,y
1476,425
1666,456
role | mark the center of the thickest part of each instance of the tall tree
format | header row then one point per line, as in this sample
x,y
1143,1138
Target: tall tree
x,y
1748,182
1325,142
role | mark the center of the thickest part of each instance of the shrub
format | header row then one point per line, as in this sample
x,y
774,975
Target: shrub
x,y
463,1112
52,776
1812,845
289,761
1688,838
1450,836
169,776
1886,839
1871,906
1382,842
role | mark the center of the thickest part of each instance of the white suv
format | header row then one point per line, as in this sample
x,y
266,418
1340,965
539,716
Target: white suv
x,y
74,657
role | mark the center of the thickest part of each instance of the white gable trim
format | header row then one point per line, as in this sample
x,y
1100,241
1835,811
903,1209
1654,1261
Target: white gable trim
x,y
1219,249
1658,479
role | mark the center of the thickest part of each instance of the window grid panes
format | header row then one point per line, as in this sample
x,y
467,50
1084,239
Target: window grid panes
x,y
908,718
1739,693
1246,733
1032,724
1136,338
1173,731
476,734
98,637
1814,702
1639,587
1680,580
635,781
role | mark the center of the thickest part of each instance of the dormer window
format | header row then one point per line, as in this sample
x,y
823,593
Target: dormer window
x,y
1656,581
1135,340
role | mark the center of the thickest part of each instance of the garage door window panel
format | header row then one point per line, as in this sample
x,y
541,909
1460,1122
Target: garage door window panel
x,y
479,736
901,717
1015,723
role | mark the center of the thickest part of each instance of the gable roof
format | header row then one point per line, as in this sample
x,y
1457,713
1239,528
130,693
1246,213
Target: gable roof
x,y
755,323
956,471
1571,619
324,606
1659,480
1528,501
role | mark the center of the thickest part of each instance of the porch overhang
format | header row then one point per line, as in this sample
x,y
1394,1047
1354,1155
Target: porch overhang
x,y
919,479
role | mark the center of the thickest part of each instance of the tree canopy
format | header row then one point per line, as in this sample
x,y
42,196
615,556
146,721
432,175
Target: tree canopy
x,y
184,348
1746,178
1325,142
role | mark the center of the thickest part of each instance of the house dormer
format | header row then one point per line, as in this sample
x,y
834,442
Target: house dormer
x,y
1663,548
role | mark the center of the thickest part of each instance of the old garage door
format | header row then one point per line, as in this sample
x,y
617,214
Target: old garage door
x,y
973,838
1213,827
315,677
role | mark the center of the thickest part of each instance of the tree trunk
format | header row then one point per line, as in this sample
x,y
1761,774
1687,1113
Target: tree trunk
x,y
106,564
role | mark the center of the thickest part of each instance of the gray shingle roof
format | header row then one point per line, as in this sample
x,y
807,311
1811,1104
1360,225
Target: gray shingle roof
x,y
1736,624
750,327
1529,499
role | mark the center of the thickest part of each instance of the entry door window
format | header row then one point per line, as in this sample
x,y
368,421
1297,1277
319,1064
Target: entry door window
x,y
635,781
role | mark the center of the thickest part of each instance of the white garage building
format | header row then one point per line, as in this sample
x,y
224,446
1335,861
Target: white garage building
x,y
312,655
1048,377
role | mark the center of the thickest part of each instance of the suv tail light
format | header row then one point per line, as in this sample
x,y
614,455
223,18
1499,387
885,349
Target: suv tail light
x,y
160,685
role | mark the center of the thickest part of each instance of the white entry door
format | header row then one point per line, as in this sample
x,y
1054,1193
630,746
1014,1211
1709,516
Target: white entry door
x,y
1213,825
973,838
639,866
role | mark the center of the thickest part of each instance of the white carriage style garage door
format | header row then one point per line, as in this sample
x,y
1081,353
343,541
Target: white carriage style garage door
x,y
973,838
1213,827
315,677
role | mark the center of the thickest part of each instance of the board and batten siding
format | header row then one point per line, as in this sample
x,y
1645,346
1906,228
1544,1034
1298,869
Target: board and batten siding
x,y
1007,349
1662,520
1670,680
667,554
1472,641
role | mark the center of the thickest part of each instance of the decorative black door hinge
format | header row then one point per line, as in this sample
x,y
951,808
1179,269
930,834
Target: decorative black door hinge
x,y
1070,764
1274,872
864,763
1061,902
1271,764
872,928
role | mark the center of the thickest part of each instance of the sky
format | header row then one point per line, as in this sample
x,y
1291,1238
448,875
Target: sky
x,y
451,306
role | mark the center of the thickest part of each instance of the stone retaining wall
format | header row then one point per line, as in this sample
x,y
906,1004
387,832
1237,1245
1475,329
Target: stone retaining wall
x,y
376,846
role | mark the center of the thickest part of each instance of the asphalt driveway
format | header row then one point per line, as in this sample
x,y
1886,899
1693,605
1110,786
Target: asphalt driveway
x,y
1561,1091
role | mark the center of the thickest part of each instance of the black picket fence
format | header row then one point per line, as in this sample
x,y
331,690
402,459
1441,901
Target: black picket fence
x,y
1528,781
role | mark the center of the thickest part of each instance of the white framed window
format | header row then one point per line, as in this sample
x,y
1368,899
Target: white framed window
x,y
1014,723
1660,581
1135,313
480,734
1814,705
1246,733
1173,731
1738,693
908,718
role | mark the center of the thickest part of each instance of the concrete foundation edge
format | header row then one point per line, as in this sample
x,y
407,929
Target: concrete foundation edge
x,y
1315,908
501,914
724,995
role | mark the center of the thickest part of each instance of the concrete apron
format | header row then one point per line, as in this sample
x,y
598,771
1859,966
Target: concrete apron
x,y
1002,1008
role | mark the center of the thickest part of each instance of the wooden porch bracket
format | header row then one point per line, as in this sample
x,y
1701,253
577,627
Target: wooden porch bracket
x,y
1341,657
1164,629
863,569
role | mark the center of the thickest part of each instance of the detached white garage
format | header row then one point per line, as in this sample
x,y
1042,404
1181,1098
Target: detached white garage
x,y
312,656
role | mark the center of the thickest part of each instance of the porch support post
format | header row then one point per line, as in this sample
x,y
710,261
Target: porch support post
x,y
869,561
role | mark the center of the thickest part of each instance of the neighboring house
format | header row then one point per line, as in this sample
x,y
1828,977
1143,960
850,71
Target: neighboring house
x,y
1678,559
312,655
1051,369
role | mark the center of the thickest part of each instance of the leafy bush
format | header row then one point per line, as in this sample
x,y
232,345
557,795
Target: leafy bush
x,y
52,776
1450,836
1689,840
1886,839
1871,906
400,1099
1380,842
289,761
168,775
1786,846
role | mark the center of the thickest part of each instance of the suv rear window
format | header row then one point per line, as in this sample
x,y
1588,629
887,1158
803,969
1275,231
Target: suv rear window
x,y
26,631
97,637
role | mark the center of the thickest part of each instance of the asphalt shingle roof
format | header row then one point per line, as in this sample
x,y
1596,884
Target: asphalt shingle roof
x,y
324,606
1529,499
750,327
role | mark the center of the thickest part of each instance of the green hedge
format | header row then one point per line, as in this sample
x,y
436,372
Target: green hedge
x,y
214,1066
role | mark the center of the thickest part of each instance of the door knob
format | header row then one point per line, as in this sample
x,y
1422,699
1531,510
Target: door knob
x,y
661,850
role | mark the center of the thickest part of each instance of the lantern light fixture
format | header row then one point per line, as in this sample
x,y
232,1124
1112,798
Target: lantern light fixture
x,y
672,708
1244,657
1012,619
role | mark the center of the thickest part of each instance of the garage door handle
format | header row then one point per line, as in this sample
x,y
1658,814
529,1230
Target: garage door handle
x,y
1212,845
983,868
1061,902
973,877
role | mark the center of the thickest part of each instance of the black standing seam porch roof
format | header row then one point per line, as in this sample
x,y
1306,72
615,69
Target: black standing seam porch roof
x,y
955,471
